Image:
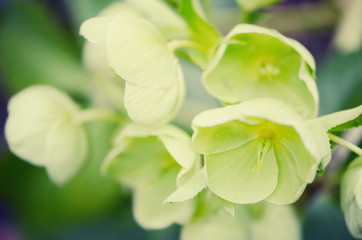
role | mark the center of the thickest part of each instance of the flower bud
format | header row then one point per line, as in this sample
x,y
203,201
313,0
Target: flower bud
x,y
351,197
40,129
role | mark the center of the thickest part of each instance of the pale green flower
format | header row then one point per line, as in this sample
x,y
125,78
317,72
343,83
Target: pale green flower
x,y
351,197
138,52
252,5
109,88
40,129
262,149
251,222
253,62
153,162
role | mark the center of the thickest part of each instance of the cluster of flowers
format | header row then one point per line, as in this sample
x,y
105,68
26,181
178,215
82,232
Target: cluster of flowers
x,y
266,143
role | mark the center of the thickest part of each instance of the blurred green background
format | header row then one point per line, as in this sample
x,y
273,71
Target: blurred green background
x,y
39,43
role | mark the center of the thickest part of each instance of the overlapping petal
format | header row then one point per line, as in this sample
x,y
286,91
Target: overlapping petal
x,y
40,129
256,150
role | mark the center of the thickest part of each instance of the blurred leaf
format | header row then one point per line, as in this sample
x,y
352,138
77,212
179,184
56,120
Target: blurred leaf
x,y
339,82
81,10
324,220
41,205
35,49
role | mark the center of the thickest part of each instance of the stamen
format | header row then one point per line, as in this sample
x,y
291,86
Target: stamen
x,y
262,149
269,71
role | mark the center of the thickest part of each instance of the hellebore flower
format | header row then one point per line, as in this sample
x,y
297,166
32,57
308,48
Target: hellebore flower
x,y
138,52
212,222
351,197
253,62
152,162
41,129
262,149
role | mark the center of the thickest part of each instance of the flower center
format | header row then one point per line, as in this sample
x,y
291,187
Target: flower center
x,y
268,71
267,134
263,148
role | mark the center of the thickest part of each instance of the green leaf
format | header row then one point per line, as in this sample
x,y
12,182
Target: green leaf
x,y
201,30
348,125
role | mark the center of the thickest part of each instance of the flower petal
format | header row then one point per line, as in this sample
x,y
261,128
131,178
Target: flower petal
x,y
218,130
138,53
65,151
148,209
170,24
95,29
176,141
132,167
231,174
280,113
290,186
320,126
190,188
151,106
32,112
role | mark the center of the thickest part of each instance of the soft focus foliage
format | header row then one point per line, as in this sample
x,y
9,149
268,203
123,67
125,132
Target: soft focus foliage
x,y
351,197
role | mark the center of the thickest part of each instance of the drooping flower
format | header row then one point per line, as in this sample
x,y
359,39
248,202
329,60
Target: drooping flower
x,y
253,62
153,162
41,130
251,222
138,52
262,149
351,197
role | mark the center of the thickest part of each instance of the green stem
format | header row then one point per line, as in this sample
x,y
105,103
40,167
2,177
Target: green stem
x,y
95,114
345,143
181,43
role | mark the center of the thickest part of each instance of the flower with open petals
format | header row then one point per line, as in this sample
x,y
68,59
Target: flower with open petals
x,y
253,62
153,162
262,149
138,52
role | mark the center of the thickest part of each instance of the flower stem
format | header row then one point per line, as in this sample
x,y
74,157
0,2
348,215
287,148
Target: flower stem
x,y
345,143
95,114
181,43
